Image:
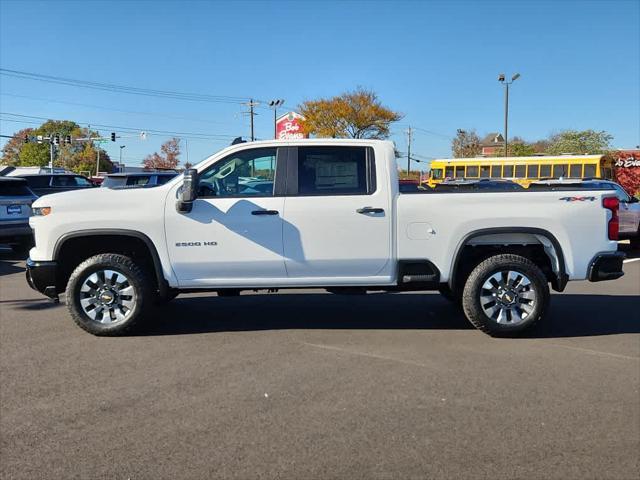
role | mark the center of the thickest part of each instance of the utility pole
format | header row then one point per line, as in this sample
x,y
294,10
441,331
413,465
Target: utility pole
x,y
120,162
97,161
409,133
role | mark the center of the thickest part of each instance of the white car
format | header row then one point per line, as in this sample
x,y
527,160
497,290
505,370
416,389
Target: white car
x,y
334,218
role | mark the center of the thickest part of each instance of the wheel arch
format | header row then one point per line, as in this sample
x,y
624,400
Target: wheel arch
x,y
552,249
151,249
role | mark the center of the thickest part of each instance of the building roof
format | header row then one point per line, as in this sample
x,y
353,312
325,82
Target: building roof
x,y
492,139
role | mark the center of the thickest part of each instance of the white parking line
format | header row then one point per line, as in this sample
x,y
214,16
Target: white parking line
x,y
631,260
365,354
594,352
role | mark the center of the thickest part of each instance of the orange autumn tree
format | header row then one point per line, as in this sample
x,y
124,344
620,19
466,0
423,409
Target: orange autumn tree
x,y
357,114
167,158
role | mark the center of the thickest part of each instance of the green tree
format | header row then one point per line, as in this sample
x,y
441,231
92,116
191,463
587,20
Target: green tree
x,y
579,142
466,144
518,147
357,114
78,156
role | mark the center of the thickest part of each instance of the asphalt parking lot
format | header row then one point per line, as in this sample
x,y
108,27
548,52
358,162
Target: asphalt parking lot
x,y
310,385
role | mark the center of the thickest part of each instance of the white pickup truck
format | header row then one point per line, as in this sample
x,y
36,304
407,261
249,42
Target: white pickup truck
x,y
317,213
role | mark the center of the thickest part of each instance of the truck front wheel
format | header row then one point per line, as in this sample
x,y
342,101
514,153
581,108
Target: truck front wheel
x,y
505,294
107,294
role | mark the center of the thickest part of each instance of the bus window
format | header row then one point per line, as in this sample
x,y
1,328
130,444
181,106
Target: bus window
x,y
459,172
436,174
484,171
560,170
545,171
448,172
472,171
589,171
507,171
496,171
532,171
575,171
521,171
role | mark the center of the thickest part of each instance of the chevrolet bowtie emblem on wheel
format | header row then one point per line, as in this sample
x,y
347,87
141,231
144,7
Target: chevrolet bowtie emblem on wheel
x,y
578,199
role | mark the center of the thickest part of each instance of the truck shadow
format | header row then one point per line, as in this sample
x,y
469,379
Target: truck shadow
x,y
570,315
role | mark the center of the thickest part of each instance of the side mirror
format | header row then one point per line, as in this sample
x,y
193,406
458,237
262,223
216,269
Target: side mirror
x,y
189,191
633,200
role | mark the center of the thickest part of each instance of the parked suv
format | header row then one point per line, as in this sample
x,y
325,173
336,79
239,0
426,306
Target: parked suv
x,y
15,209
629,212
55,183
143,179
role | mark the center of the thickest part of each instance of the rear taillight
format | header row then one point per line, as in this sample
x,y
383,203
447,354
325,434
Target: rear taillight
x,y
613,227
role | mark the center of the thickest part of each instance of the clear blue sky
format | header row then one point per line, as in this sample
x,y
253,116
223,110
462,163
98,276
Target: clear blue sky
x,y
436,62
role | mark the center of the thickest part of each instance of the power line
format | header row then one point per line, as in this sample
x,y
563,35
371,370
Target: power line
x,y
128,129
111,87
154,114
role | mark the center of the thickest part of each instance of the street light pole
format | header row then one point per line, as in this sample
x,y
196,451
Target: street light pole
x,y
501,79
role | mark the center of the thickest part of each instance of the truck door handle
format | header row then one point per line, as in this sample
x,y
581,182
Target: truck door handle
x,y
265,212
366,210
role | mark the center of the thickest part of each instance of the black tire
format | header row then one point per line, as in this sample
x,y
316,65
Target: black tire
x,y
635,242
136,278
472,305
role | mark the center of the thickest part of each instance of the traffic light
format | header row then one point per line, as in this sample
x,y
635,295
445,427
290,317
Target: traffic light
x,y
113,136
67,140
56,139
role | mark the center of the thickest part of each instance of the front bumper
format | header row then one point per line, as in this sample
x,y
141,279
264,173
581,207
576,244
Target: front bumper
x,y
41,276
606,266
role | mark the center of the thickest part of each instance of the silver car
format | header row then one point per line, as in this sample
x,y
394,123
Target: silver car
x,y
15,209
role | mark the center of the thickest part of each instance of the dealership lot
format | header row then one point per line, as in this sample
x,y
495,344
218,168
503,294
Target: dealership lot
x,y
311,385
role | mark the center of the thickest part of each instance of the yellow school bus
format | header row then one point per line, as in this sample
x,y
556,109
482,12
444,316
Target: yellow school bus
x,y
522,170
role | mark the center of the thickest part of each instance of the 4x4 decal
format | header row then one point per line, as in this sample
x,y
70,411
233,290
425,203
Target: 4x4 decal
x,y
578,199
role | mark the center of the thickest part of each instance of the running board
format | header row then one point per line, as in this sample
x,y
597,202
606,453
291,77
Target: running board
x,y
420,278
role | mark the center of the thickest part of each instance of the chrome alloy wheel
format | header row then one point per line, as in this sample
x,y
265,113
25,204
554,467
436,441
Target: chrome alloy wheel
x,y
508,297
107,296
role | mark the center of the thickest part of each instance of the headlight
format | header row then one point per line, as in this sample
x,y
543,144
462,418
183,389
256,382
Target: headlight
x,y
41,211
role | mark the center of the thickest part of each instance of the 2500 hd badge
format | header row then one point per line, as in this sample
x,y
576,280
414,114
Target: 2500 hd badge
x,y
196,244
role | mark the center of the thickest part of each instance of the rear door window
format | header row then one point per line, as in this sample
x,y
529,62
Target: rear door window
x,y
14,189
335,171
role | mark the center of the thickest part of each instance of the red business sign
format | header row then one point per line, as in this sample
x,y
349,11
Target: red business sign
x,y
288,127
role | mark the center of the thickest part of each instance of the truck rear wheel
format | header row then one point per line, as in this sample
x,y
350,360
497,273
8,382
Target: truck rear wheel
x,y
505,294
107,294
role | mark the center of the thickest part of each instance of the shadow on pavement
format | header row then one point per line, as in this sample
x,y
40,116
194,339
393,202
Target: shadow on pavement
x,y
569,316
